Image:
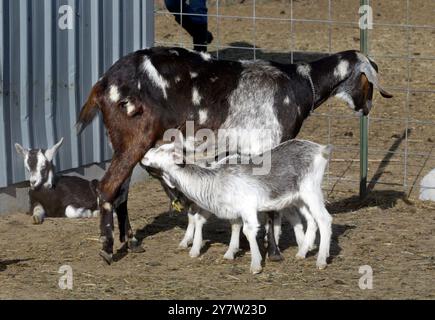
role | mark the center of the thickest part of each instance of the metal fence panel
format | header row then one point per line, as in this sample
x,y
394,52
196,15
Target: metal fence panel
x,y
398,145
46,73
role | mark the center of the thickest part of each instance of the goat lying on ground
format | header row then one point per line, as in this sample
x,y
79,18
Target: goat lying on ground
x,y
56,196
233,192
149,91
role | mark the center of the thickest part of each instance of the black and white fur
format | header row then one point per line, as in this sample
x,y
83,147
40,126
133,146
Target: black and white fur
x,y
55,195
232,192
150,91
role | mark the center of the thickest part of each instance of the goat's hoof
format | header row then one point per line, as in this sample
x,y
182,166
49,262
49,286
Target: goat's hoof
x,y
256,270
276,257
183,245
321,265
134,246
108,257
37,220
229,256
299,256
137,249
194,254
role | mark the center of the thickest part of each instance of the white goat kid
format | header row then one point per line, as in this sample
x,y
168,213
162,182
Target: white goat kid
x,y
197,217
232,191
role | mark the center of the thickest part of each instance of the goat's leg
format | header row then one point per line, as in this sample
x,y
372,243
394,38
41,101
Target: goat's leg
x,y
325,228
274,229
293,217
234,246
250,229
38,214
261,235
200,220
124,220
277,226
106,231
126,230
310,234
120,169
188,236
324,221
121,210
121,214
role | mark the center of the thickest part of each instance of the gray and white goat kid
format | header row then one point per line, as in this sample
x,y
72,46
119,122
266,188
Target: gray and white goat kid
x,y
197,217
53,195
233,192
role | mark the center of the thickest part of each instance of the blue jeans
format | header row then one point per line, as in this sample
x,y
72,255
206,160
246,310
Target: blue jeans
x,y
194,6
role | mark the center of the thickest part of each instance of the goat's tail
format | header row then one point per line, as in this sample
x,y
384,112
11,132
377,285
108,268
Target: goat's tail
x,y
326,151
89,109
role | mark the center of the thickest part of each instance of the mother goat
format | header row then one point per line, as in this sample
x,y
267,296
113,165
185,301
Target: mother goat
x,y
152,90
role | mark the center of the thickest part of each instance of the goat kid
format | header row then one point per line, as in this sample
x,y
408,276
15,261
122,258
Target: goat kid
x,y
197,217
232,192
53,195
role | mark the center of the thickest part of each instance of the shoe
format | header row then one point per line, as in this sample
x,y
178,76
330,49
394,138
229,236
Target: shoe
x,y
201,41
201,36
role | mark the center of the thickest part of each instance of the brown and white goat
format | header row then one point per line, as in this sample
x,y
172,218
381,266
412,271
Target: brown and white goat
x,y
53,195
152,90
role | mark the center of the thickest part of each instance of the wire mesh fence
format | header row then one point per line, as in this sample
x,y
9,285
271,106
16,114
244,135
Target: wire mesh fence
x,y
401,135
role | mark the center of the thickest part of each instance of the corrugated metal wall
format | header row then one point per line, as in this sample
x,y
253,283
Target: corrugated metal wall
x,y
46,73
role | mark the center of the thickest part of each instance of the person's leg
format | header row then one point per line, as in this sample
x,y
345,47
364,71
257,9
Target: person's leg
x,y
202,37
176,7
195,24
199,8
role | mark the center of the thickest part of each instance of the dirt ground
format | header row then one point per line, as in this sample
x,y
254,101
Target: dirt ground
x,y
391,231
394,237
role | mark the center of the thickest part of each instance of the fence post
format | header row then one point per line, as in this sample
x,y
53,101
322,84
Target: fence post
x,y
148,29
364,47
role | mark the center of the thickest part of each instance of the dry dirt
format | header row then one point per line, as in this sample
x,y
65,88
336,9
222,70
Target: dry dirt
x,y
391,231
393,236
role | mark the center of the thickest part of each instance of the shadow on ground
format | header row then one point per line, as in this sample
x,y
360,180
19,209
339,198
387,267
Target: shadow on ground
x,y
217,231
245,51
5,263
383,199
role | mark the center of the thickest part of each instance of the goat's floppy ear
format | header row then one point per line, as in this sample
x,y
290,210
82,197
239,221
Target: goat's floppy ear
x,y
168,181
49,153
372,77
20,150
